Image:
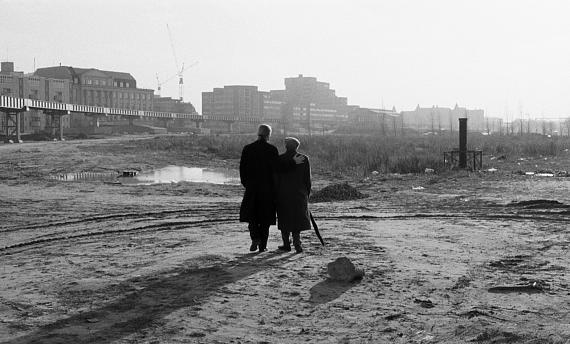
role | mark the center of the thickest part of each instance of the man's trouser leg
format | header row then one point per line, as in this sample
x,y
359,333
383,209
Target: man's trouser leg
x,y
263,237
286,243
297,241
254,232
254,235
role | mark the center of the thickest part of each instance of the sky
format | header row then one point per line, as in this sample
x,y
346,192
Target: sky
x,y
507,57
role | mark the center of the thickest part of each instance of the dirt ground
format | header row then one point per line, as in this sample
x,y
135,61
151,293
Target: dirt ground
x,y
449,258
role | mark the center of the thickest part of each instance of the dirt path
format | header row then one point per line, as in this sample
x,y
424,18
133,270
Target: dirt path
x,y
463,259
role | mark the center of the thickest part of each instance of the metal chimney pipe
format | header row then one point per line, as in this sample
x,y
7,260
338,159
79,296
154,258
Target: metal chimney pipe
x,y
462,142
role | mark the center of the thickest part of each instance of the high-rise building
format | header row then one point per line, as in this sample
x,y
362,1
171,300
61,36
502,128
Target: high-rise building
x,y
311,104
233,101
302,90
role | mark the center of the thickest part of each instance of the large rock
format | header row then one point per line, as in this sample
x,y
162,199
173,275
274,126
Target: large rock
x,y
343,270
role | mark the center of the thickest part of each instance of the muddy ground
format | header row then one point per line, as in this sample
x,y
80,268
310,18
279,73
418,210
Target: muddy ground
x,y
454,257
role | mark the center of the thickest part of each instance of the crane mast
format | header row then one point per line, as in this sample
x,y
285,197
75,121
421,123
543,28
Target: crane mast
x,y
180,70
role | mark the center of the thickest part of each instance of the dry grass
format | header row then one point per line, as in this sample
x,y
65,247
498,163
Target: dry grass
x,y
364,154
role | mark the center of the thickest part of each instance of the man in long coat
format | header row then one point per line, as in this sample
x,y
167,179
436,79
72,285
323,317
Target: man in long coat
x,y
293,190
257,165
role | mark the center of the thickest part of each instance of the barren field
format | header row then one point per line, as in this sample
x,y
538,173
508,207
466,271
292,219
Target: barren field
x,y
451,257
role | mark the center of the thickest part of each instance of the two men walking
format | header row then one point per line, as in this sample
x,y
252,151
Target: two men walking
x,y
274,184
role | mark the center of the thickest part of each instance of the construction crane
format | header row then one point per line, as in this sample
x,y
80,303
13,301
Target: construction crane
x,y
179,69
178,74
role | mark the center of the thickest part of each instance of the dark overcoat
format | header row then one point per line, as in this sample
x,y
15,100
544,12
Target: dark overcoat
x,y
256,174
293,190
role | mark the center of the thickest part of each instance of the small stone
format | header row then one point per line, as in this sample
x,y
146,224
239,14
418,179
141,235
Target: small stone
x,y
342,269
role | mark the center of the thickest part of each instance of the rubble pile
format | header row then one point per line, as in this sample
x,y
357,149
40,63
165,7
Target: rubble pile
x,y
336,192
343,270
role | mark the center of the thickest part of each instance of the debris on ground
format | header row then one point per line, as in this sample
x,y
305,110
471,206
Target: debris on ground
x,y
336,192
427,303
342,269
529,288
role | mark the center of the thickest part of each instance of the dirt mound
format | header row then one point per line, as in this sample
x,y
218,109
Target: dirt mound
x,y
336,192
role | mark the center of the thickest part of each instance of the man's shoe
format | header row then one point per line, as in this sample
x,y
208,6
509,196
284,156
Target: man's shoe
x,y
253,246
285,248
262,249
298,249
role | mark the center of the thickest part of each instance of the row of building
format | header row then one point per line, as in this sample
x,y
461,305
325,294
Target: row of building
x,y
309,104
84,86
304,105
304,100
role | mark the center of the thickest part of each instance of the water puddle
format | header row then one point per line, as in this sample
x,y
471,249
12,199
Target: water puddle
x,y
176,174
168,174
85,176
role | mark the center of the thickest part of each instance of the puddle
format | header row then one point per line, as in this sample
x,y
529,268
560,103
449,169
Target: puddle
x,y
168,174
85,176
176,174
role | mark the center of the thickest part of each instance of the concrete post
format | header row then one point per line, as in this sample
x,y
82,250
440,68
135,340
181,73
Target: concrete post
x,y
7,125
462,142
18,129
61,127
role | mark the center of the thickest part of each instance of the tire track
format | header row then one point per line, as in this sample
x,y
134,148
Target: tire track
x,y
69,234
154,227
122,216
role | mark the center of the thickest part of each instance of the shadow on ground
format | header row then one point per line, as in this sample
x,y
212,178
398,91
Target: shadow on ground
x,y
157,296
329,290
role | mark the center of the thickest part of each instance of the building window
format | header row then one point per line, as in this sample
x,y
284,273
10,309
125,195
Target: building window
x,y
6,91
89,81
121,84
127,85
115,84
58,97
96,82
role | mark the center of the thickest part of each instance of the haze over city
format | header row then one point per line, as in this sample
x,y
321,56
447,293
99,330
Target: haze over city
x,y
502,57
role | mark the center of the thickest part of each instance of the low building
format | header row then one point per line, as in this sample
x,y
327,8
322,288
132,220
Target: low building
x,y
375,119
90,86
438,118
168,104
18,84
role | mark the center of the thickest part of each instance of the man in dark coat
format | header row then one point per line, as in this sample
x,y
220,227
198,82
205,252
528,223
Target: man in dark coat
x,y
293,190
257,164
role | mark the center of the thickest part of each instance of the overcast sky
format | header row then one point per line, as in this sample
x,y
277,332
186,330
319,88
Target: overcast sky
x,y
500,56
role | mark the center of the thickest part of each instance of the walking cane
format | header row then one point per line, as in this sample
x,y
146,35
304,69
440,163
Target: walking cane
x,y
316,229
